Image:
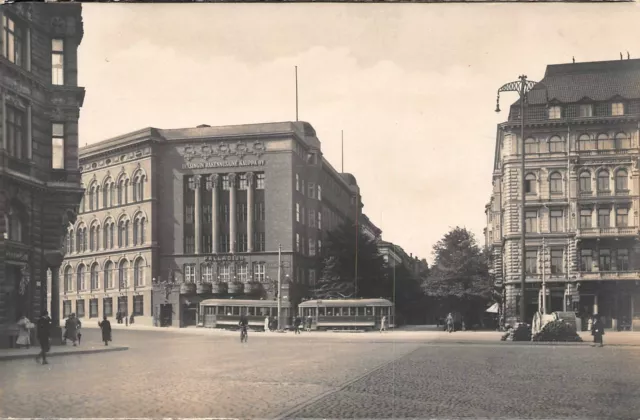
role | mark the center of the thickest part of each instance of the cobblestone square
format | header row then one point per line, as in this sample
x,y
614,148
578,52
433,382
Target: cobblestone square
x,y
165,374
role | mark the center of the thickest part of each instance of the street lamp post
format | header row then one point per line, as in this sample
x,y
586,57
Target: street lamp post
x,y
522,87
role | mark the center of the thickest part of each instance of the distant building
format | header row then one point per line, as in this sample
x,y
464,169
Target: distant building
x,y
203,211
582,195
394,256
369,229
40,188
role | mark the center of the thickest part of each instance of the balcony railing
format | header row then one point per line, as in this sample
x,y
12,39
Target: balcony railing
x,y
597,232
609,275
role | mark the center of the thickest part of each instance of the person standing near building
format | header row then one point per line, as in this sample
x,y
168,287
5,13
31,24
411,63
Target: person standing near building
x,y
597,330
266,323
383,324
43,332
24,332
105,326
296,325
449,322
244,322
71,329
309,322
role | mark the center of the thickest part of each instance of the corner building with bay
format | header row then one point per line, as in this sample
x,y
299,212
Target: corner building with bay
x,y
173,217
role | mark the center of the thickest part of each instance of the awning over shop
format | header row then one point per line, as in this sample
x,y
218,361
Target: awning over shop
x,y
493,309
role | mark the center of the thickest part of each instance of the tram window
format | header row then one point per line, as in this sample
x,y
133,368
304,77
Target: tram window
x,y
322,311
352,311
235,310
369,312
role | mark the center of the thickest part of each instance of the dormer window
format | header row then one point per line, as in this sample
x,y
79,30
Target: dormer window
x,y
617,108
555,113
586,111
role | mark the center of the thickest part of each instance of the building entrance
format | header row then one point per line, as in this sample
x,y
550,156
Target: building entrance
x,y
166,314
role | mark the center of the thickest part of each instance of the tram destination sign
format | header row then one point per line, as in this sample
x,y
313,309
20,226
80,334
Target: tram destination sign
x,y
223,164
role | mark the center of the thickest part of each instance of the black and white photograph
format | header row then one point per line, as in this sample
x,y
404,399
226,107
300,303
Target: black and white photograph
x,y
320,210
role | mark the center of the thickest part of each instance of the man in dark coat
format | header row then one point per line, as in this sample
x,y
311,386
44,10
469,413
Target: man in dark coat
x,y
105,326
597,330
43,331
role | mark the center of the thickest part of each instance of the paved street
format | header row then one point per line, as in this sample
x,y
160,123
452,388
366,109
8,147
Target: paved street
x,y
168,374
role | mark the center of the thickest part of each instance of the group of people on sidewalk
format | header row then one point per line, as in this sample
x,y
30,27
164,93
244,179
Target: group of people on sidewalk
x,y
43,334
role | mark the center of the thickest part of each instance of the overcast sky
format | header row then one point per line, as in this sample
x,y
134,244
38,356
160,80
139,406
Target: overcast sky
x,y
412,86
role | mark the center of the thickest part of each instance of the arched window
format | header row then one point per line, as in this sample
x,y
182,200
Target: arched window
x,y
556,145
143,221
622,180
123,274
530,184
95,283
138,187
555,183
586,143
530,146
123,233
81,280
136,229
138,272
90,195
603,181
105,195
70,235
623,141
92,238
79,239
68,279
585,182
122,192
604,142
108,275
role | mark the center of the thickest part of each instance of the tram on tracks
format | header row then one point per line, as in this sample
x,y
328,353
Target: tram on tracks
x,y
225,313
349,314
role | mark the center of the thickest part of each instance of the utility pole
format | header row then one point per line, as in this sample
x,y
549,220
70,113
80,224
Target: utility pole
x,y
279,286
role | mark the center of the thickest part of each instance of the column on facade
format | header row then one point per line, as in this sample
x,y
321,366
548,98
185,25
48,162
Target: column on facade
x,y
232,212
198,210
55,296
595,303
612,216
214,180
594,216
250,182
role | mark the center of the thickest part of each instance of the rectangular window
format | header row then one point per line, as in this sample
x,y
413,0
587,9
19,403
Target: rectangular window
x,y
138,305
297,242
259,245
531,264
555,113
243,184
319,220
93,308
259,212
297,182
80,308
259,271
617,109
224,243
206,243
14,42
207,214
312,218
189,214
189,273
225,273
241,212
605,260
95,284
107,307
189,245
207,273
66,308
260,182
243,273
302,213
57,61
224,211
604,218
320,192
586,260
556,217
297,212
16,133
531,221
57,146
585,218
319,250
555,184
225,182
312,190
622,260
312,277
242,242
302,189
622,217
586,111
123,305
557,261
312,248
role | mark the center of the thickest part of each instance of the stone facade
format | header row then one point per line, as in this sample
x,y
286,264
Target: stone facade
x,y
39,179
582,195
254,188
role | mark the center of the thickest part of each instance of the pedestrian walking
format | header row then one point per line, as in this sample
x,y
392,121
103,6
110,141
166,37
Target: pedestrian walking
x,y
24,332
449,322
131,319
105,326
43,332
243,324
296,325
597,331
383,323
71,327
309,322
266,324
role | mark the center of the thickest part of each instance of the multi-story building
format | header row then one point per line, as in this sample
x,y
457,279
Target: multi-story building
x,y
171,217
39,178
370,230
394,256
582,195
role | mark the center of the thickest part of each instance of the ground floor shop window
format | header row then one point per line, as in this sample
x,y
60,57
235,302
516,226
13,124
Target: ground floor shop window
x,y
108,306
66,309
122,305
80,308
138,305
93,308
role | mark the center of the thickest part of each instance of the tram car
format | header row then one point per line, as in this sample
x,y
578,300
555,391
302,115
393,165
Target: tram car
x,y
347,314
225,313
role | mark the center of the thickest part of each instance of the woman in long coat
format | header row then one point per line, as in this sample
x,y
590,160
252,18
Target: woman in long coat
x,y
72,326
24,332
105,326
597,330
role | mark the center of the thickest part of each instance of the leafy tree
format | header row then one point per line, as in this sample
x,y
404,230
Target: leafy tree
x,y
459,276
339,266
409,297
